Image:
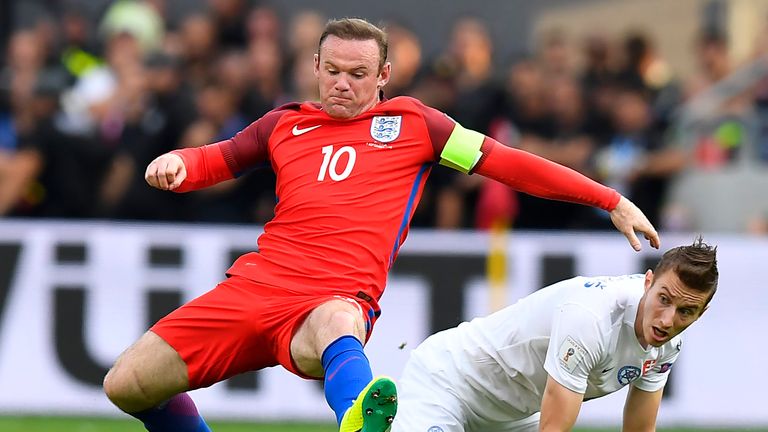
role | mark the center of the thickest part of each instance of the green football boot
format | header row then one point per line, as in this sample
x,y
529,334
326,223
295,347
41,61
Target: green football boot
x,y
374,409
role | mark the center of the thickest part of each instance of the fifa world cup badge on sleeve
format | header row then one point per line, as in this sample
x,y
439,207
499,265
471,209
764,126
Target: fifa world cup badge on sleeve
x,y
386,128
570,354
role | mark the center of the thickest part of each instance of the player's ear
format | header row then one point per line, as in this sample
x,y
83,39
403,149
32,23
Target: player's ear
x,y
385,73
317,65
648,279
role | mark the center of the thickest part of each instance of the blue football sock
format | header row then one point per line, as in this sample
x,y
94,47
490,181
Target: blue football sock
x,y
177,414
347,372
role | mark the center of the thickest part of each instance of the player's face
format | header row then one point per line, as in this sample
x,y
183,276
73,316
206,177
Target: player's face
x,y
667,308
349,77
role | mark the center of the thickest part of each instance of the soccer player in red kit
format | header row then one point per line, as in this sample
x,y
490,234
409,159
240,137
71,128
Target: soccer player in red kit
x,y
350,172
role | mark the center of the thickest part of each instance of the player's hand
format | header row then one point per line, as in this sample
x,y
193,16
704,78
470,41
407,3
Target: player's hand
x,y
629,219
166,172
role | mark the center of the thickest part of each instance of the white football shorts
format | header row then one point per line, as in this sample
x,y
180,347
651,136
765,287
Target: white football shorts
x,y
429,402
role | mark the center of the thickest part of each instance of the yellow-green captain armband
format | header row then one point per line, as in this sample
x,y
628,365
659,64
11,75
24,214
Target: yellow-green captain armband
x,y
462,150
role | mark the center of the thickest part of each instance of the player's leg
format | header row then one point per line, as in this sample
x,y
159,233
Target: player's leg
x,y
427,413
328,344
148,381
209,339
426,403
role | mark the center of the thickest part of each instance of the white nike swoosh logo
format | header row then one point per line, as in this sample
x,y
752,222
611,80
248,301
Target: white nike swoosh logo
x,y
296,131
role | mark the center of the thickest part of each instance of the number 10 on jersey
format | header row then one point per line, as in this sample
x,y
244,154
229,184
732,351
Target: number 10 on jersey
x,y
330,161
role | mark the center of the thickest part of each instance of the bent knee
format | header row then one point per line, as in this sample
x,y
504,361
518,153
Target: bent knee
x,y
342,318
148,373
346,321
325,324
123,386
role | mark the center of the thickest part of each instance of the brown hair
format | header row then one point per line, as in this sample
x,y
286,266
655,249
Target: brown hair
x,y
357,29
695,265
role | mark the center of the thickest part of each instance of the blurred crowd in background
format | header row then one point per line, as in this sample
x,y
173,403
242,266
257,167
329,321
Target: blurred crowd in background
x,y
85,106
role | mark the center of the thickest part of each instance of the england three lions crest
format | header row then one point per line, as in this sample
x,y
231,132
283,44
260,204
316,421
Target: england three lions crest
x,y
386,128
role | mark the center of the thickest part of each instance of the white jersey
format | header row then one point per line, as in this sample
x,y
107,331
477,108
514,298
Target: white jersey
x,y
579,331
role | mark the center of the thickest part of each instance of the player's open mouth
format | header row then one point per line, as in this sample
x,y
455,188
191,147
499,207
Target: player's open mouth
x,y
659,334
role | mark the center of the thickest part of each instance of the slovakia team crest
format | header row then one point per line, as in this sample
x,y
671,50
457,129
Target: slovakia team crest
x,y
386,128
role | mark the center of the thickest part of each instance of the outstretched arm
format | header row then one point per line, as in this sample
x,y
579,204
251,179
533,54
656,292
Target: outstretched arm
x,y
559,407
198,167
537,176
188,169
640,410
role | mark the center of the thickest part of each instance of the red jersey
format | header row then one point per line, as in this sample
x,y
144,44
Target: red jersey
x,y
347,189
346,192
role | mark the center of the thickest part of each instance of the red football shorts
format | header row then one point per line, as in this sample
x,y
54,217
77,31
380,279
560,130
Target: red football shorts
x,y
240,326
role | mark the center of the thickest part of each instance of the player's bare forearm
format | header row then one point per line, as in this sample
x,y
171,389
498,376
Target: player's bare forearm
x,y
640,410
559,407
549,427
626,428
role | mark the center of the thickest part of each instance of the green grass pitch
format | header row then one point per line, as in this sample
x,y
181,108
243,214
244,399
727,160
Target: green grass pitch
x,y
66,424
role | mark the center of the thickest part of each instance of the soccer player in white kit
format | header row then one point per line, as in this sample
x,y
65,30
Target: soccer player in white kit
x,y
530,366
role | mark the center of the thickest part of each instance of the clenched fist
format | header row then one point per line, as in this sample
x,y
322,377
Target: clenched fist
x,y
166,172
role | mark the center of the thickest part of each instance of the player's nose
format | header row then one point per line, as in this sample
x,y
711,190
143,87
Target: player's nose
x,y
341,84
667,318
